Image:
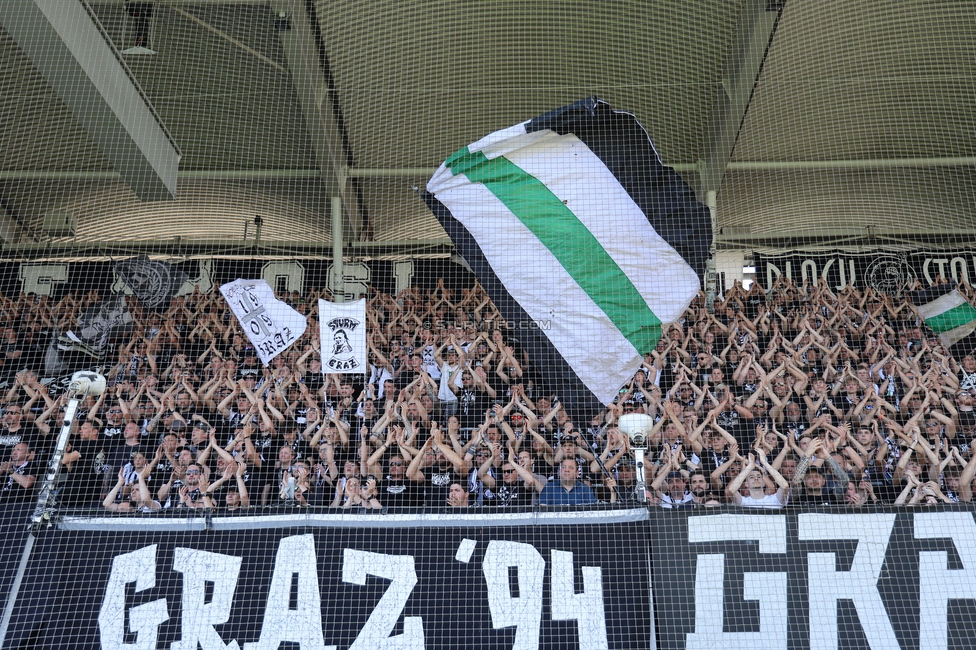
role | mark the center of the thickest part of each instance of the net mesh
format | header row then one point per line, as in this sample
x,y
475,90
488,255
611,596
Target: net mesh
x,y
801,341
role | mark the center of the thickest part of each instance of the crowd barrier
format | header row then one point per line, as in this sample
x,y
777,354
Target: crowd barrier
x,y
831,578
878,578
553,580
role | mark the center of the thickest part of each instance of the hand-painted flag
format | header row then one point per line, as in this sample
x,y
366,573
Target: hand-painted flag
x,y
153,282
271,325
342,336
946,312
583,239
98,327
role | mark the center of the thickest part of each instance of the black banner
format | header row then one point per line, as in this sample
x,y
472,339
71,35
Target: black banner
x,y
886,578
56,278
425,582
887,272
731,578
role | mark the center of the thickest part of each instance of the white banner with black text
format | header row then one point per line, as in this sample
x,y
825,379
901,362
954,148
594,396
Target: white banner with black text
x,y
271,325
342,332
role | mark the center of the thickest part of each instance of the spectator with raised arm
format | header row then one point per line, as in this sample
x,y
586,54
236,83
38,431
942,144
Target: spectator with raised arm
x,y
139,499
754,478
809,476
436,467
17,474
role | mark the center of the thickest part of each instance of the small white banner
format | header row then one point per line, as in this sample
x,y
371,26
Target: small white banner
x,y
342,328
271,325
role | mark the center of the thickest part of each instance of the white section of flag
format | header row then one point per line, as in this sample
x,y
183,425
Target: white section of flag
x,y
946,302
606,209
270,325
342,334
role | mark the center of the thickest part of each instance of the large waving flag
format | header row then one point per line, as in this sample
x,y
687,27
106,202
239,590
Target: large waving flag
x,y
583,239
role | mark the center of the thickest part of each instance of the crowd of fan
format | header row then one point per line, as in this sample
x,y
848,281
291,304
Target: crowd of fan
x,y
796,395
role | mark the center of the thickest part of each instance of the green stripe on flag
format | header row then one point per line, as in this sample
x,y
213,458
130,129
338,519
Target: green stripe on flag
x,y
951,319
559,230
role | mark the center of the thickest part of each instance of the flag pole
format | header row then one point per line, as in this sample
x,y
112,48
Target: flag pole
x,y
338,285
83,384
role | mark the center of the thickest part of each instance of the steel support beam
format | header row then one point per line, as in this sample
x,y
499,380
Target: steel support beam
x,y
754,33
228,249
10,228
69,47
298,39
757,22
421,172
866,236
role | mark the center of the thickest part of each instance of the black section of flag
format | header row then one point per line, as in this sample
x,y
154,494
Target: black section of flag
x,y
548,365
623,145
98,327
928,294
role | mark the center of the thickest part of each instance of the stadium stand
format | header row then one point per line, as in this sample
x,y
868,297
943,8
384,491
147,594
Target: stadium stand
x,y
846,395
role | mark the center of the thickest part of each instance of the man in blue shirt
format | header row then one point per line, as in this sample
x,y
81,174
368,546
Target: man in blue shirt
x,y
567,491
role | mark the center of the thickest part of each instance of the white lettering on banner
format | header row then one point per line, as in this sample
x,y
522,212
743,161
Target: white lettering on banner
x,y
204,280
354,282
40,279
827,585
400,571
284,276
770,589
959,269
199,617
846,271
402,275
585,608
295,561
302,625
937,583
772,269
144,620
525,611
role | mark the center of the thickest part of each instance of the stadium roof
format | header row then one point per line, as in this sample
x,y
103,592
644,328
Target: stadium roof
x,y
823,122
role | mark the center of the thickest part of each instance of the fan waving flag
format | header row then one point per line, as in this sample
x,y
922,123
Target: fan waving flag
x,y
947,313
583,239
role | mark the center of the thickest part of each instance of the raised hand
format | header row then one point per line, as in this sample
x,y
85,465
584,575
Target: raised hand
x,y
734,451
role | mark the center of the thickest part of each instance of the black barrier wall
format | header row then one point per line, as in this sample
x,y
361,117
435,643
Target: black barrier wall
x,y
893,578
356,583
889,272
867,578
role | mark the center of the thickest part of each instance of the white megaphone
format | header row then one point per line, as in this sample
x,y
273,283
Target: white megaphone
x,y
637,427
87,383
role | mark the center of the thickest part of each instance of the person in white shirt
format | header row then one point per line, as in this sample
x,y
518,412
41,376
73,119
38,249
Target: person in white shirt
x,y
755,480
449,373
